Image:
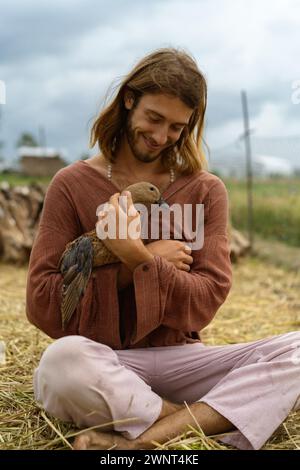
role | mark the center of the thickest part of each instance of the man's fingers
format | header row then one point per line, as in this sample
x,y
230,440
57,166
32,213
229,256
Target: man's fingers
x,y
128,199
185,267
128,205
114,199
123,201
102,218
127,193
188,259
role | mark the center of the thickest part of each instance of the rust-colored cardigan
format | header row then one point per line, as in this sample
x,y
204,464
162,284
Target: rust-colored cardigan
x,y
164,305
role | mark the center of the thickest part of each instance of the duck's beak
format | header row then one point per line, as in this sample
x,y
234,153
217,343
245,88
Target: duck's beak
x,y
161,202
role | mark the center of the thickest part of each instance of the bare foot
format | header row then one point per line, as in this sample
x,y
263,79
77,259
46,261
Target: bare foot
x,y
92,440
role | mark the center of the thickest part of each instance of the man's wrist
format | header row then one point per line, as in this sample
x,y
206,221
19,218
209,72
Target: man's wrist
x,y
137,257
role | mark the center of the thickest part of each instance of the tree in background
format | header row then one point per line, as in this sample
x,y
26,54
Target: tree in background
x,y
27,140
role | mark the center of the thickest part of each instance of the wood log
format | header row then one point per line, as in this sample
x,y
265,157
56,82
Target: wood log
x,y
20,209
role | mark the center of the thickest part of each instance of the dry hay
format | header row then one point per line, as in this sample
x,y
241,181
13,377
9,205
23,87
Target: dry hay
x,y
264,301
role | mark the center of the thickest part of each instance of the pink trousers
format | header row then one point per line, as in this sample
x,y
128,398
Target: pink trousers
x,y
254,385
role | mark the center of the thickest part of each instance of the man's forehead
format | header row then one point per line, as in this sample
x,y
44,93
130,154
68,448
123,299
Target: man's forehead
x,y
165,105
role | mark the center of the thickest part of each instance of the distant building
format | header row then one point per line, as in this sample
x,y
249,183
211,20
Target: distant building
x,y
40,161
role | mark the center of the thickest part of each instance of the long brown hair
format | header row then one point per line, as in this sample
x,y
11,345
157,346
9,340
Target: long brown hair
x,y
170,71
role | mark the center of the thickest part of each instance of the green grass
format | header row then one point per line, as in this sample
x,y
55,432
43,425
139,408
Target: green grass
x,y
16,179
276,208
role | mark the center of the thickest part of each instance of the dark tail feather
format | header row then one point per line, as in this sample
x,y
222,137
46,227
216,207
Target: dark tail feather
x,y
76,267
71,297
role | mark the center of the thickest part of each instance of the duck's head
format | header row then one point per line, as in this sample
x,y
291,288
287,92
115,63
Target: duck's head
x,y
146,193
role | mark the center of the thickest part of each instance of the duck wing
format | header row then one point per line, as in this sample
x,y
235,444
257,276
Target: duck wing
x,y
76,266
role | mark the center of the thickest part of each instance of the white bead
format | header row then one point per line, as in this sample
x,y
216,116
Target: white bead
x,y
172,175
109,171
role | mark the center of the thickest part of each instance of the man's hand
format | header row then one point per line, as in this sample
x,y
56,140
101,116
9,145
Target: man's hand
x,y
174,251
119,228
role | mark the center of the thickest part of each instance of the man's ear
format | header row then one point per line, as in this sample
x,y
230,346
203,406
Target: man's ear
x,y
128,99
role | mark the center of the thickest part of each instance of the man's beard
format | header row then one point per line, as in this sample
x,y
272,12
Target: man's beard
x,y
132,137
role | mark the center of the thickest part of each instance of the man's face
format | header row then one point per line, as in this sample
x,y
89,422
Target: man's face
x,y
155,124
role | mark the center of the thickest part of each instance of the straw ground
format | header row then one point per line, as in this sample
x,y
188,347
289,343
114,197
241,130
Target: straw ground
x,y
264,301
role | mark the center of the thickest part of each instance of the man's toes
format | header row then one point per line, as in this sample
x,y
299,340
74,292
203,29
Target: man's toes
x,y
82,442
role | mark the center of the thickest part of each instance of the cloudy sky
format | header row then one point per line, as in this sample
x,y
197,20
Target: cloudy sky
x,y
59,58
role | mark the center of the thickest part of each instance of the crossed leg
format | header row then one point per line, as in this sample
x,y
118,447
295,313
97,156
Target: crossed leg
x,y
84,390
172,421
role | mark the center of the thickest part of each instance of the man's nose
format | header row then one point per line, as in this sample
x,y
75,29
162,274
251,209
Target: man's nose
x,y
160,137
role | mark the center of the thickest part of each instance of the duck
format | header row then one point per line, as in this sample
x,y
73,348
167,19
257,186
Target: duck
x,y
88,251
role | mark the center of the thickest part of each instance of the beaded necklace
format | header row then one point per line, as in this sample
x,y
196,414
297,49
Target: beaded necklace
x,y
109,173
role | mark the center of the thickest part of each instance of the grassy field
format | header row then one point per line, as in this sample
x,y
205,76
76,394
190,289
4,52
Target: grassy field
x,y
16,179
276,208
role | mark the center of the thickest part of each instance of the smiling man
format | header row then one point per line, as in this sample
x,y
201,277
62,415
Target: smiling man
x,y
152,126
131,356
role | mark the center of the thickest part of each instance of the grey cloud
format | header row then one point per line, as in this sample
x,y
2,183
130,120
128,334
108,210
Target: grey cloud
x,y
59,58
41,28
225,106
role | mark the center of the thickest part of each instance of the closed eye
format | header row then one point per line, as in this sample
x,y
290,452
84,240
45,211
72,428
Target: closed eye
x,y
154,120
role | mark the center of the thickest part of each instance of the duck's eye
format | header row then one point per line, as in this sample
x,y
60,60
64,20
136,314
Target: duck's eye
x,y
151,189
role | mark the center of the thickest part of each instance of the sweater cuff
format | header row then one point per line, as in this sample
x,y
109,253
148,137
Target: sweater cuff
x,y
147,297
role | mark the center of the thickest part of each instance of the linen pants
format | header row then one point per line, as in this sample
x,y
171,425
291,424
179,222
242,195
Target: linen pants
x,y
254,385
